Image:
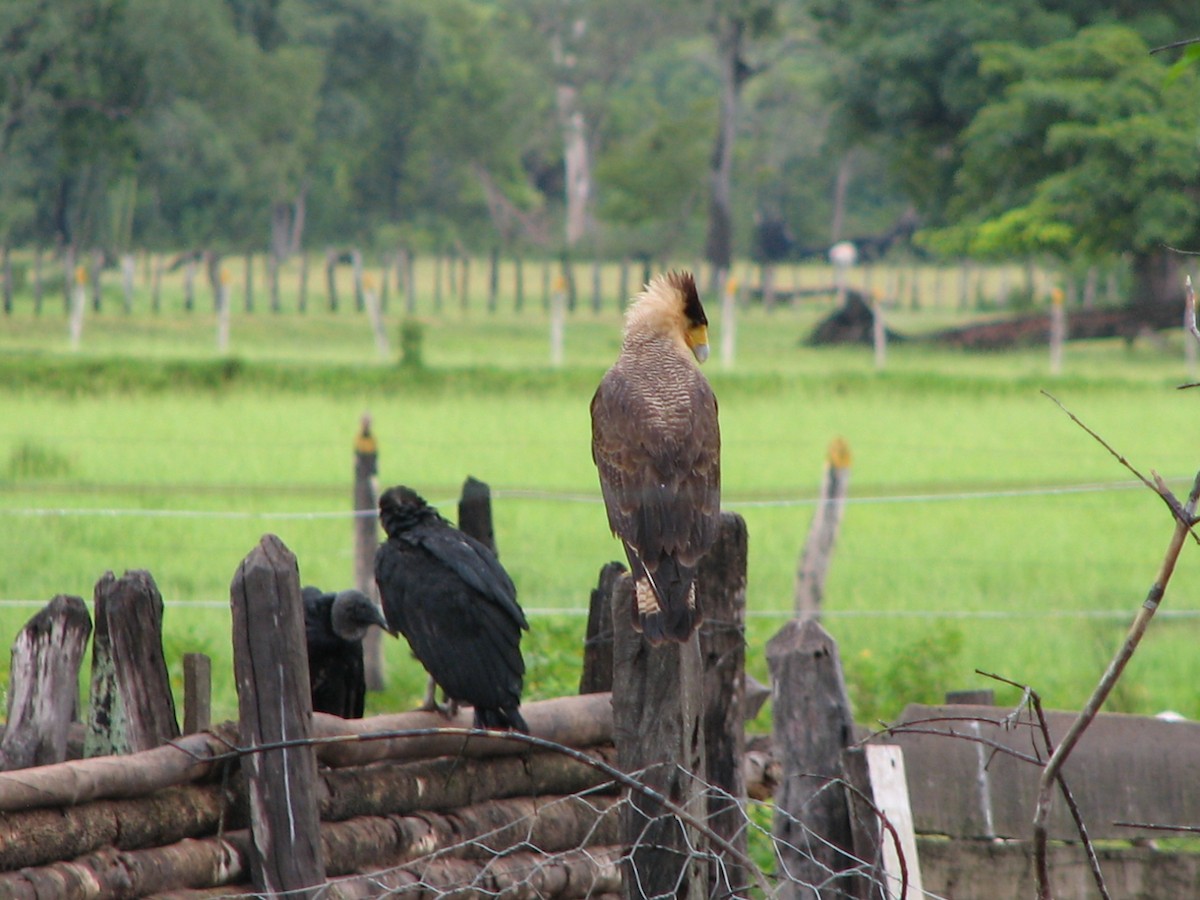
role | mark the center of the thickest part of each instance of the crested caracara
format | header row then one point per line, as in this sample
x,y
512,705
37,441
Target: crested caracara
x,y
657,446
449,596
334,628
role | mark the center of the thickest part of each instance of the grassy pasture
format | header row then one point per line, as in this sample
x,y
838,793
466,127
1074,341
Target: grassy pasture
x,y
985,529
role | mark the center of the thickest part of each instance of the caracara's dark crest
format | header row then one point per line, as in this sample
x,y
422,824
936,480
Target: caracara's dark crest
x,y
657,447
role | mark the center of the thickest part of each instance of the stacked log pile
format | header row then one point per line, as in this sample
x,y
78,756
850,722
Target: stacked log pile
x,y
173,821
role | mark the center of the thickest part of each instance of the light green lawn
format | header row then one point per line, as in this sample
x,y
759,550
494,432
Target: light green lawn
x,y
985,529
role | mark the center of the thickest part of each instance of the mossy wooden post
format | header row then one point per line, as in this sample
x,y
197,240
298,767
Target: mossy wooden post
x,y
132,707
721,585
658,710
597,674
812,726
43,684
822,533
365,503
270,662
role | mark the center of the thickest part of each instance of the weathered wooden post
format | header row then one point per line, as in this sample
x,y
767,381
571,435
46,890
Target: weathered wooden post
x,y
97,276
331,261
558,321
365,502
812,726
475,512
197,693
270,662
658,711
78,302
1058,330
597,675
370,295
356,264
132,707
128,271
493,291
729,300
822,533
43,684
249,281
302,287
879,333
223,310
721,584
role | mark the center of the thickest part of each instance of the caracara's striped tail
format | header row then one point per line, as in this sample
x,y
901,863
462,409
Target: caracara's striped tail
x,y
665,607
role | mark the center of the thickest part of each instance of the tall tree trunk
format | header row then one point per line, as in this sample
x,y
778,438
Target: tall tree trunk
x,y
728,31
571,122
1157,280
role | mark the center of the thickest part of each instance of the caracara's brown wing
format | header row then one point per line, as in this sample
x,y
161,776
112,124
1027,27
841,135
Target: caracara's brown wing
x,y
659,465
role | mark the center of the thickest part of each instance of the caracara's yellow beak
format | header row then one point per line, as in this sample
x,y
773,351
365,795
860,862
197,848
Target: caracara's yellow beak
x,y
697,339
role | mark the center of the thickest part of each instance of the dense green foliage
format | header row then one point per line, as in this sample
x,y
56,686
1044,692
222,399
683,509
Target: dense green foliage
x,y
1024,127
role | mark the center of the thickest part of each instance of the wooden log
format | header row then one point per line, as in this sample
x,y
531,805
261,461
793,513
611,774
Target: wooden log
x,y
584,721
39,837
132,707
43,685
577,874
597,673
813,725
658,730
78,781
482,833
571,721
365,503
453,782
721,584
822,533
271,667
475,512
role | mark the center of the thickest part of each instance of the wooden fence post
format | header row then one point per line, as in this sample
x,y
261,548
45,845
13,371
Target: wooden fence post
x,y
43,684
132,707
558,321
78,302
197,693
365,501
249,282
822,533
374,305
271,666
597,676
1058,330
812,726
729,299
331,261
658,732
475,512
721,584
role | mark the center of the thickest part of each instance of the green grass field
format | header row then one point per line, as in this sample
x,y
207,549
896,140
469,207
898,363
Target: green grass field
x,y
985,529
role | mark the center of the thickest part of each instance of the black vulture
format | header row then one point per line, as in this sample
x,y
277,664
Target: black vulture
x,y
334,627
449,596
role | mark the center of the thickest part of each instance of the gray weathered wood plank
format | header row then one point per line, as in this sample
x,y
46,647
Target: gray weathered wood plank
x,y
271,666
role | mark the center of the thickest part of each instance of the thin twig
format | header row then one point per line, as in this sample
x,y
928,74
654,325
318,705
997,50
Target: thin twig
x,y
1107,682
1175,45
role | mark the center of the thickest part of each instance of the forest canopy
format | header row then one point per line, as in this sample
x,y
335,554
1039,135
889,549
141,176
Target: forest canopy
x,y
761,128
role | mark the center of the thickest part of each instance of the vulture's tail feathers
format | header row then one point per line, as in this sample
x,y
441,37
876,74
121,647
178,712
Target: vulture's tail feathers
x,y
507,719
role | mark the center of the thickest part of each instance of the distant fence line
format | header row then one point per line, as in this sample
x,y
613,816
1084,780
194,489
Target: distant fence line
x,y
405,282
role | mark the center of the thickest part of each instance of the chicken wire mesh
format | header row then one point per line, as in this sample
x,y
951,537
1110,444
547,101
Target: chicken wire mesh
x,y
705,845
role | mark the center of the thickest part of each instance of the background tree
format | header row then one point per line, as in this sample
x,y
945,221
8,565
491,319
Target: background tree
x,y
1088,151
